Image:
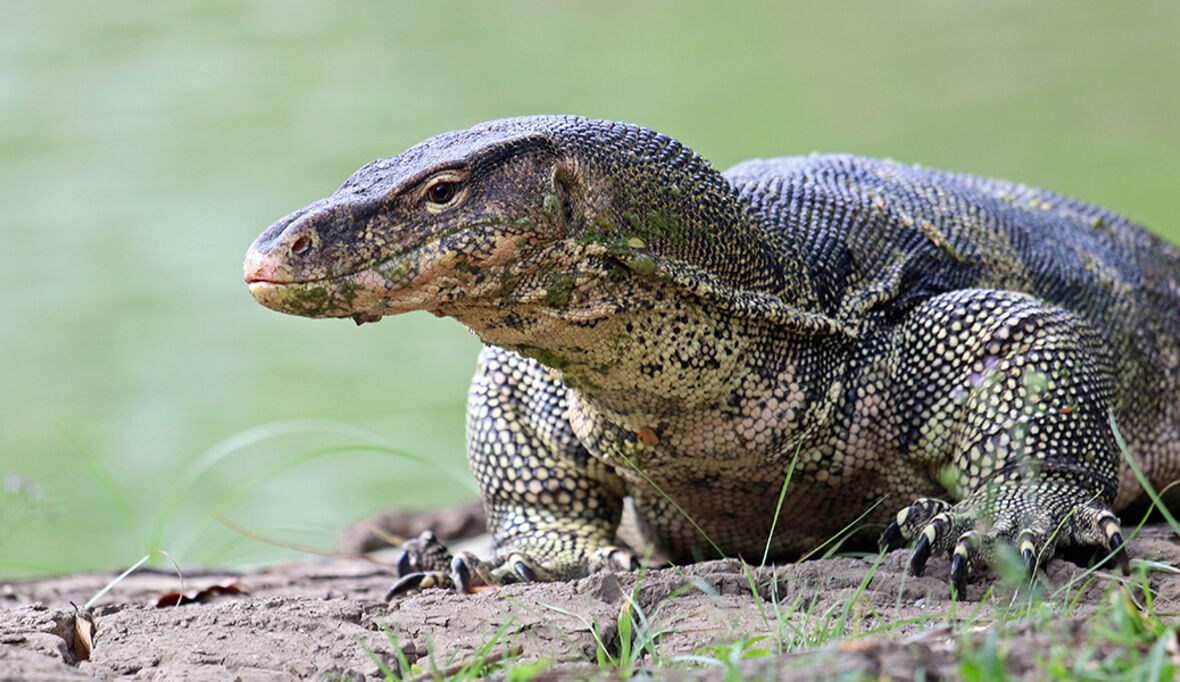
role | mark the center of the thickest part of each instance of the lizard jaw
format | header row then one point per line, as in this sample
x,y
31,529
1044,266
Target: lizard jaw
x,y
398,284
365,296
431,277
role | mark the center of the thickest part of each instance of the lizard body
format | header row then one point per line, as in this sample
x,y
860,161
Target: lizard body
x,y
885,334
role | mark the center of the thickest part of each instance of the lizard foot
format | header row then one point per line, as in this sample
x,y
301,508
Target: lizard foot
x,y
613,559
426,562
1034,521
465,573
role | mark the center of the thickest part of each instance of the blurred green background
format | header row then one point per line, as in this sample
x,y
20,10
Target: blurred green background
x,y
145,145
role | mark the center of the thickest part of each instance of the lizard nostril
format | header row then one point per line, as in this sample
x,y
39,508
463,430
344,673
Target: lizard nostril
x,y
301,246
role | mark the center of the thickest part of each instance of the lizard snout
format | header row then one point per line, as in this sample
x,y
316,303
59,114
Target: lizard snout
x,y
274,255
263,267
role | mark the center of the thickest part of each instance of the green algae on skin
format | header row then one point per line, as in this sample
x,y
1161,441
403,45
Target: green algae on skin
x,y
642,264
664,223
395,270
560,288
307,299
551,202
545,357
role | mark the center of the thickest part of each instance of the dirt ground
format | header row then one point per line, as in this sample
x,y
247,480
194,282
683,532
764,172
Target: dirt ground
x,y
322,618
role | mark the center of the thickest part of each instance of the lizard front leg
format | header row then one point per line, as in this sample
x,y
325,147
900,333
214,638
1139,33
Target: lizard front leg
x,y
552,508
1014,401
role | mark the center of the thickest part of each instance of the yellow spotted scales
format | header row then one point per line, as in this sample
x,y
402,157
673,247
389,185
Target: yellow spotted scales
x,y
893,337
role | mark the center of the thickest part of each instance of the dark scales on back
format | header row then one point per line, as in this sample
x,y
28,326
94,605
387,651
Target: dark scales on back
x,y
661,331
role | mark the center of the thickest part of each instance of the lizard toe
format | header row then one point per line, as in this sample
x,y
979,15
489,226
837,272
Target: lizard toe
x,y
518,567
419,580
920,556
424,553
959,575
463,567
910,521
1098,527
891,537
935,537
613,558
405,563
971,550
524,571
1117,551
1031,545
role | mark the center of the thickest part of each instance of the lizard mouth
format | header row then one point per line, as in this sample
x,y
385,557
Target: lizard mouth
x,y
323,297
395,284
364,295
268,269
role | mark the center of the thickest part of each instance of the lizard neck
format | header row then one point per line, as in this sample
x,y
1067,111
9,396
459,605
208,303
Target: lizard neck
x,y
682,374
647,349
657,209
641,304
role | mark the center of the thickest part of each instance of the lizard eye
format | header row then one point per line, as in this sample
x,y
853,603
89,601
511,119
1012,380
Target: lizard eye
x,y
441,192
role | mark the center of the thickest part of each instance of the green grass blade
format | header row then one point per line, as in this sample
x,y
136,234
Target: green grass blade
x,y
782,495
674,504
1155,498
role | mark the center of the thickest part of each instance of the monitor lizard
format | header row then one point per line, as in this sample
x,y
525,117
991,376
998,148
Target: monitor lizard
x,y
940,354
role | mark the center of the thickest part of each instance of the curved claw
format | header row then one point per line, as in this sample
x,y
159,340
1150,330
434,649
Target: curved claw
x,y
1030,561
891,538
524,572
461,575
959,575
406,583
1118,551
418,580
920,556
404,564
1027,544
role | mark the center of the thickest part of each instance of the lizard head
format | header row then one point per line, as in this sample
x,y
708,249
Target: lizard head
x,y
461,219
526,230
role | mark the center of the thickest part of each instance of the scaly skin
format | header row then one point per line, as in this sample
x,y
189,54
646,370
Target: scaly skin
x,y
659,331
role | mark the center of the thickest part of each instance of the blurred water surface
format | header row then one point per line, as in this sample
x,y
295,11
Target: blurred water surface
x,y
143,146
